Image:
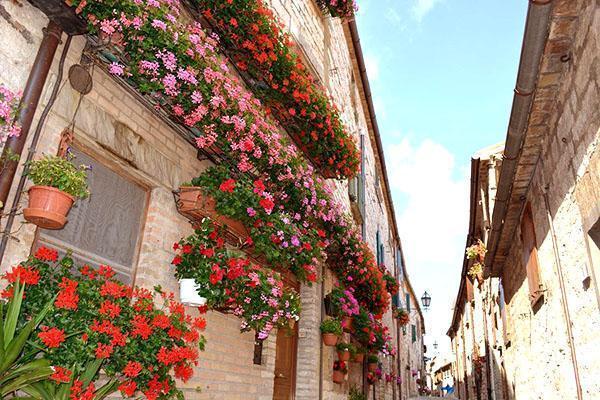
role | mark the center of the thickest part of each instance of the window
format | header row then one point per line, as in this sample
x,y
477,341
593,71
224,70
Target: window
x,y
407,302
105,228
529,256
379,247
399,264
413,332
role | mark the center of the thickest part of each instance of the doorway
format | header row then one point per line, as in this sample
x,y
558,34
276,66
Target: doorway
x,y
284,382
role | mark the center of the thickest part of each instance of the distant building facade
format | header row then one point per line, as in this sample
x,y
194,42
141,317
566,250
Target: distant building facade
x,y
527,326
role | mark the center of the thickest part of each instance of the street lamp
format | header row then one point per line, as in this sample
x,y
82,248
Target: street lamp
x,y
426,300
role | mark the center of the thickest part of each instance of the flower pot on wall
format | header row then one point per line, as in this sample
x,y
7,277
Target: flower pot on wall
x,y
48,207
338,377
188,293
196,205
329,339
347,324
358,357
372,367
344,356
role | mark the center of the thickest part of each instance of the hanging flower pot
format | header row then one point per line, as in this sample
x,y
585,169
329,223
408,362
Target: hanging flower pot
x,y
48,207
338,377
330,339
358,357
372,367
188,293
344,355
57,183
196,205
347,324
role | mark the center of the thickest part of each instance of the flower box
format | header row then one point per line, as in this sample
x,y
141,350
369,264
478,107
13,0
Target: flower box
x,y
195,205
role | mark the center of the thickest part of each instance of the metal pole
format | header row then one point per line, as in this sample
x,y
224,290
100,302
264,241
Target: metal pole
x,y
29,102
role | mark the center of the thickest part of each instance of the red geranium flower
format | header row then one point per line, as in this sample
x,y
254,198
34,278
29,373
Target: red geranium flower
x,y
177,260
227,186
25,275
46,254
267,204
128,388
132,369
52,337
110,309
61,375
67,298
104,350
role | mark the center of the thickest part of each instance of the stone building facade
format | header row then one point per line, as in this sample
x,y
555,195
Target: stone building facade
x,y
144,157
540,224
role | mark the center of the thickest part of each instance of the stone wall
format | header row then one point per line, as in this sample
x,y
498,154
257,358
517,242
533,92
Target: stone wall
x,y
539,360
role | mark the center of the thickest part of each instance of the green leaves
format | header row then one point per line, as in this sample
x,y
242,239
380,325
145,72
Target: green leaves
x,y
18,371
60,173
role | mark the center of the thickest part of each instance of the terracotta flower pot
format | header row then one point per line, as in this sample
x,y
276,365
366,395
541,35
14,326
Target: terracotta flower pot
x,y
338,376
348,324
344,355
194,204
358,357
372,367
48,207
329,339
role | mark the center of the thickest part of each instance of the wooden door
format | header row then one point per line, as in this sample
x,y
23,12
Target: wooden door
x,y
284,383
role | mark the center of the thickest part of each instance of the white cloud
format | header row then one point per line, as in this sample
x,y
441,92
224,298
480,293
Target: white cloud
x,y
372,65
422,7
432,199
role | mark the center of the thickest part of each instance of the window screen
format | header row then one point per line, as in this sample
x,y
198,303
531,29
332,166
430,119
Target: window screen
x,y
105,228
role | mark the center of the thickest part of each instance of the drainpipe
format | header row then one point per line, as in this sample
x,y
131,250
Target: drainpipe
x,y
29,102
32,148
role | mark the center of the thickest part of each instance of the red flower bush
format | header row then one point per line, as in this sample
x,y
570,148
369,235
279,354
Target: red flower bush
x,y
100,323
229,281
262,50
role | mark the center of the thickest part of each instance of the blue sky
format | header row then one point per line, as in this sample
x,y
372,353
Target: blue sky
x,y
442,74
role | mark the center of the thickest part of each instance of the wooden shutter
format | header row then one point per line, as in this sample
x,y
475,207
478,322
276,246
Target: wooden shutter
x,y
529,256
408,302
413,333
105,228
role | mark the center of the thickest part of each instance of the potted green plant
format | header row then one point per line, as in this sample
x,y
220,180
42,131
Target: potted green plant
x,y
356,394
331,329
343,350
340,369
359,354
372,361
57,183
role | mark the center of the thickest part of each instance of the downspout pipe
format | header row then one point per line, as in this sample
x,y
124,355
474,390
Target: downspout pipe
x,y
32,148
371,108
29,102
537,27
